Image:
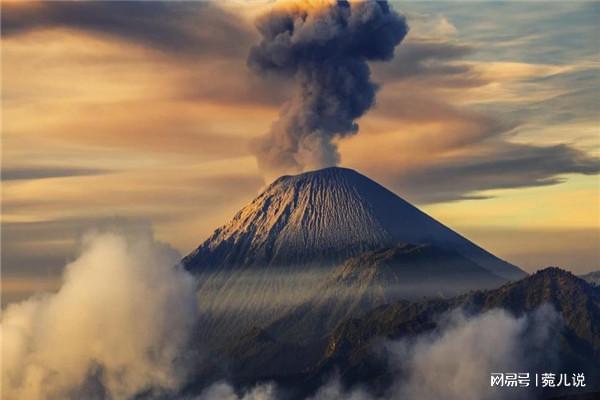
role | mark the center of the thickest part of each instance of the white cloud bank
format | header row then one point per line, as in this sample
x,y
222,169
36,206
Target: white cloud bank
x,y
118,324
122,318
455,363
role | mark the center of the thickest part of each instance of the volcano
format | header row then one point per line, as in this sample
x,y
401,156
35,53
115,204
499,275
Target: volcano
x,y
324,217
320,247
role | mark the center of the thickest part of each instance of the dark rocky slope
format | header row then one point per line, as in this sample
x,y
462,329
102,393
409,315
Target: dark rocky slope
x,y
353,348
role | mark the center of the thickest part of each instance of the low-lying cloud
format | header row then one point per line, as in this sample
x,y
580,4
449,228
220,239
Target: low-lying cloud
x,y
224,391
454,362
117,325
121,323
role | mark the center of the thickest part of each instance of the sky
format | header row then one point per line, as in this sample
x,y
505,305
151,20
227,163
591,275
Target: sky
x,y
143,114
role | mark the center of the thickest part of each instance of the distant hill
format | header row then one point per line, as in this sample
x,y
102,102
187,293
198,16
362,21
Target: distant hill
x,y
351,349
380,277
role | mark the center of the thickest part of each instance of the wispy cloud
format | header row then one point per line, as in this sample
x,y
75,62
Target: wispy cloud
x,y
183,29
40,172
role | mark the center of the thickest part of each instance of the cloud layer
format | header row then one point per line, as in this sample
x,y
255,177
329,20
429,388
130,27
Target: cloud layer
x,y
116,326
121,322
183,29
454,362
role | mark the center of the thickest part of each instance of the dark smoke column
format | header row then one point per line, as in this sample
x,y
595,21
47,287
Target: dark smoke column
x,y
324,46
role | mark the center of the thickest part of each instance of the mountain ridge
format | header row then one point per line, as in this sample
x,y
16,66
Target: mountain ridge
x,y
574,299
353,349
380,277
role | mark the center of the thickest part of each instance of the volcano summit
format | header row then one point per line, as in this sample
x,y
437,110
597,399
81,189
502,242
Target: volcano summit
x,y
324,217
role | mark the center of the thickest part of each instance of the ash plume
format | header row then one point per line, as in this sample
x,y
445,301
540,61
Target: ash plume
x,y
325,47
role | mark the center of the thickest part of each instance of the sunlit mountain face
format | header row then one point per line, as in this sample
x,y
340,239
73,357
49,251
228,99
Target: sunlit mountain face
x,y
329,214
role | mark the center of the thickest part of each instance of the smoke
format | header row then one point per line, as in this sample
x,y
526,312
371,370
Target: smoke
x,y
334,390
224,391
455,363
117,325
324,45
452,363
121,322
